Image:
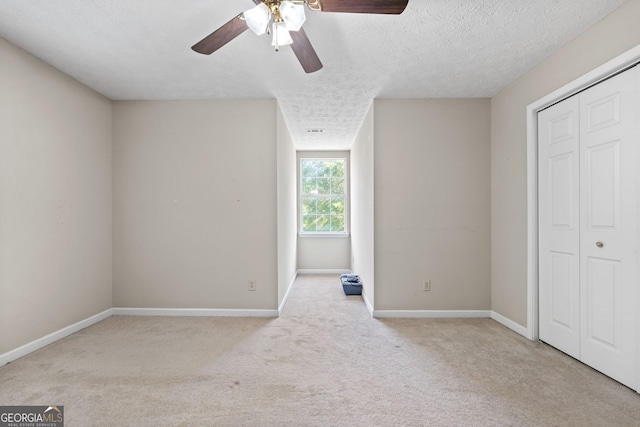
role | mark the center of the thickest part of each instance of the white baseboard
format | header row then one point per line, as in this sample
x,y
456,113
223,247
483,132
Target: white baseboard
x,y
511,324
322,271
432,314
204,312
286,295
52,337
449,314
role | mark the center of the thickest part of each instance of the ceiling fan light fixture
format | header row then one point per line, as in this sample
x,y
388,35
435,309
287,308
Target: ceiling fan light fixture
x,y
292,15
258,18
281,36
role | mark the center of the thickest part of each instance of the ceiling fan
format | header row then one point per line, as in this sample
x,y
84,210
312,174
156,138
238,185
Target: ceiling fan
x,y
286,18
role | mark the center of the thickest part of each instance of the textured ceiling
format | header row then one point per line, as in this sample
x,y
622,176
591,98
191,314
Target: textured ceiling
x,y
437,48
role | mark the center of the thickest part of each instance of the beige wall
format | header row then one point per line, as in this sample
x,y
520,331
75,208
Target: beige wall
x,y
615,34
195,204
55,200
287,208
323,252
432,204
362,238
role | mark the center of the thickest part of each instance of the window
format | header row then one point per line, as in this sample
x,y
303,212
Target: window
x,y
323,195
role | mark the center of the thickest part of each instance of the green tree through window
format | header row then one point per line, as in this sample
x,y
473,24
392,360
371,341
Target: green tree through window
x,y
323,195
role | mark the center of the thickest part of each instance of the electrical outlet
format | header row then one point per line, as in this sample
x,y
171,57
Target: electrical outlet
x,y
252,285
426,285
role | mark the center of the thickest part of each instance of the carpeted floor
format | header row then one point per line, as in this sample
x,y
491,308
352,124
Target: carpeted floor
x,y
324,362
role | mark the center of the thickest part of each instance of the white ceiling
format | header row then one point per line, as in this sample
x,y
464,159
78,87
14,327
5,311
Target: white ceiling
x,y
140,49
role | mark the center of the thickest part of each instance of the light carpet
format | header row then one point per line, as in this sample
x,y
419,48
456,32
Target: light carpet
x,y
324,362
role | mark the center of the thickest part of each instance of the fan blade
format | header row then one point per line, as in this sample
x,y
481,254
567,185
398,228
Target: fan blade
x,y
391,7
305,53
221,36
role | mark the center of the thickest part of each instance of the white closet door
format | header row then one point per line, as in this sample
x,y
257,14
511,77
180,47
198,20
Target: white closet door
x,y
609,236
589,192
559,227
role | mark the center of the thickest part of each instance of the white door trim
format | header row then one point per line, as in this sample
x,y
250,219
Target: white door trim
x,y
604,71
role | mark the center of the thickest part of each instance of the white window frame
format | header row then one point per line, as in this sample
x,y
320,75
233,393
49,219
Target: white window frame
x,y
344,233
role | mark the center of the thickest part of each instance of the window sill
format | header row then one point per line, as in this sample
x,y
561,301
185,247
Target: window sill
x,y
328,235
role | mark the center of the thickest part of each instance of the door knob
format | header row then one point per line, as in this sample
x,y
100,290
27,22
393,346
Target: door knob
x,y
599,244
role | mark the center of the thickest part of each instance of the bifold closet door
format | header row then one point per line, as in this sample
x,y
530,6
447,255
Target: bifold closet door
x,y
588,226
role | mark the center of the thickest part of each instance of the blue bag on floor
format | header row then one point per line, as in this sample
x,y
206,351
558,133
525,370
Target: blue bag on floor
x,y
351,284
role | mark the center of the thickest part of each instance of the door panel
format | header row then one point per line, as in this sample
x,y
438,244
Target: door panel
x,y
603,112
609,233
559,287
561,188
562,281
603,302
603,181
